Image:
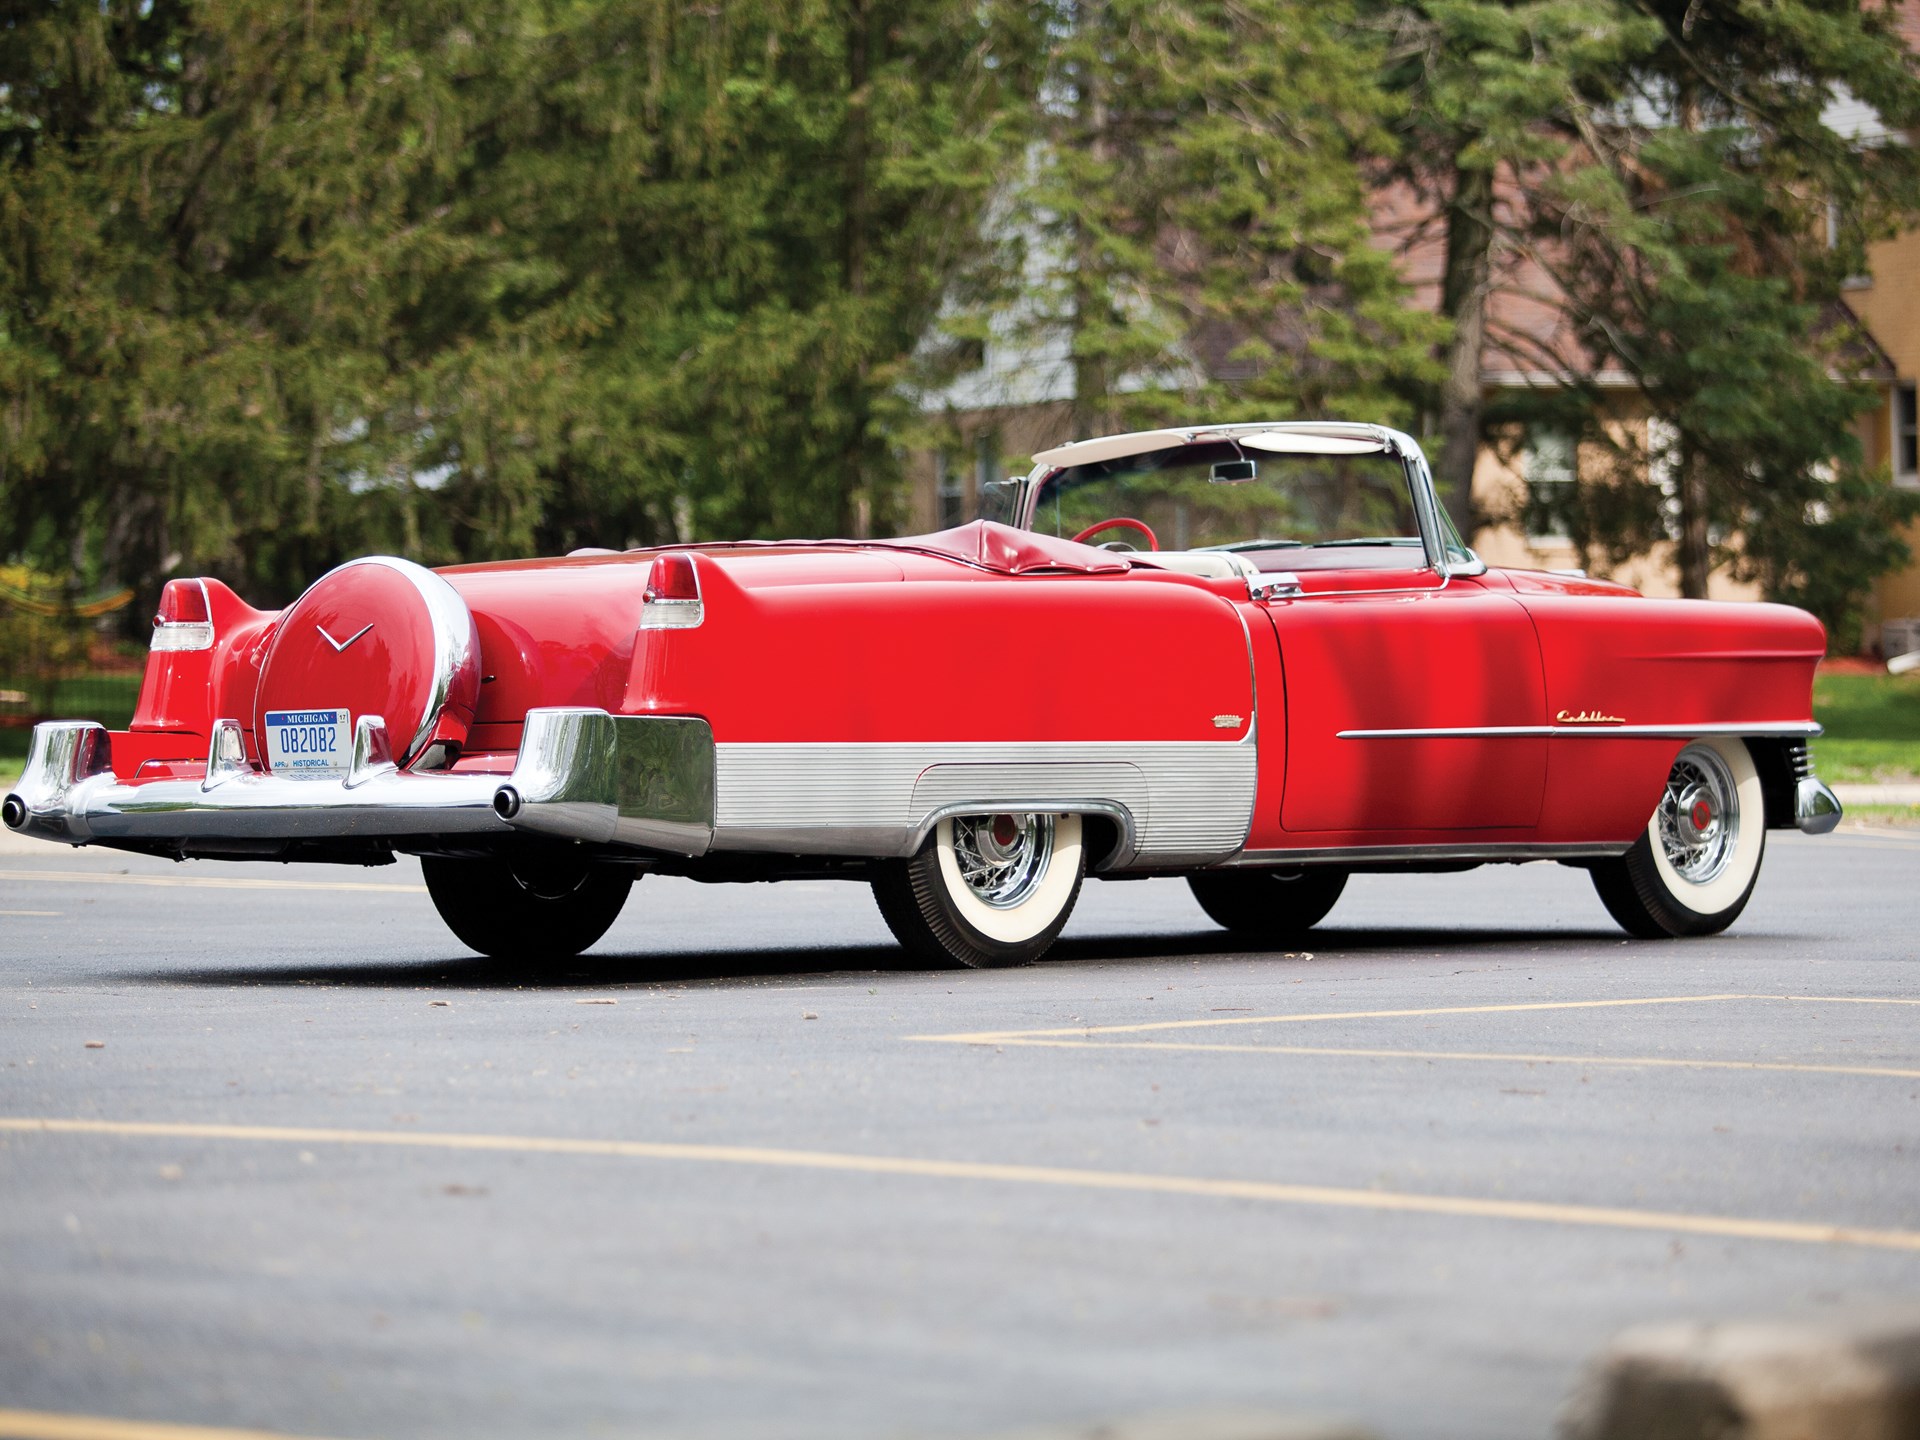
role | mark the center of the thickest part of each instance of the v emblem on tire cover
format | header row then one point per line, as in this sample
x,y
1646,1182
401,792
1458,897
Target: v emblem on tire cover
x,y
339,645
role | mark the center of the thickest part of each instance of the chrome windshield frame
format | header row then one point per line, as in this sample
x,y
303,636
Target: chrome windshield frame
x,y
1395,443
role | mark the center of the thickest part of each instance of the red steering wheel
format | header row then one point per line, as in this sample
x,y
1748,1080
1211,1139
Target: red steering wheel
x,y
1116,523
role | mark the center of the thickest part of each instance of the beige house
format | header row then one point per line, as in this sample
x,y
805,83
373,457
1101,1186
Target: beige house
x,y
1887,300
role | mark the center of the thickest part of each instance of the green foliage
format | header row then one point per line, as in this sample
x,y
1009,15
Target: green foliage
x,y
1193,215
1872,727
281,283
1701,237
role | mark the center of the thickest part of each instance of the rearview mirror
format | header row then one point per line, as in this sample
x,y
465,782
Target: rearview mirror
x,y
1233,472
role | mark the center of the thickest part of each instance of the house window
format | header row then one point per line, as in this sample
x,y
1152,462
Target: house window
x,y
986,462
950,504
1549,467
1906,434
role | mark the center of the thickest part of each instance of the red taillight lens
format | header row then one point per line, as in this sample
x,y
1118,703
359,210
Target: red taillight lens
x,y
185,621
672,578
184,602
673,594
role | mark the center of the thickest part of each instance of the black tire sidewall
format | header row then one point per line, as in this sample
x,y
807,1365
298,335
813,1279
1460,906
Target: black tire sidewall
x,y
491,909
1268,905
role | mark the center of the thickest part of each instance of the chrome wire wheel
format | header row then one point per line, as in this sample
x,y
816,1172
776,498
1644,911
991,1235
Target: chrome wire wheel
x,y
1003,858
1698,822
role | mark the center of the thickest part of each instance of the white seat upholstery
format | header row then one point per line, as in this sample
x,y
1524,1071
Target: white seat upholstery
x,y
1208,564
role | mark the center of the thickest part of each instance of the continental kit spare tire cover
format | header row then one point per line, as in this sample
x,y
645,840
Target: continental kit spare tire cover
x,y
379,636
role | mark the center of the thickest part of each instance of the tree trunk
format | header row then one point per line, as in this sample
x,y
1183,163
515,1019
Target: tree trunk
x,y
1463,300
850,497
1694,553
1091,382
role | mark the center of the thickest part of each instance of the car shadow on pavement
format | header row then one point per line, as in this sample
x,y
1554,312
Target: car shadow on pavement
x,y
596,970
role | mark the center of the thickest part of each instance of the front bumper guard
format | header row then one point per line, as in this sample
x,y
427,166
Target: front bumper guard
x,y
636,782
1816,809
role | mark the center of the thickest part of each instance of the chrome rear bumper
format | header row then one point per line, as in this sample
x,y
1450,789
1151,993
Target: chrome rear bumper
x,y
639,782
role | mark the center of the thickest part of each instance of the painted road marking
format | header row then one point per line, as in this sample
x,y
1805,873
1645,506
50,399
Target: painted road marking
x,y
46,1425
29,912
208,882
1271,1192
1001,1037
1488,1056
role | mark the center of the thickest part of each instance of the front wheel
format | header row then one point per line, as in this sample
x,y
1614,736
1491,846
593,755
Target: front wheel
x,y
1274,907
985,890
526,908
1693,870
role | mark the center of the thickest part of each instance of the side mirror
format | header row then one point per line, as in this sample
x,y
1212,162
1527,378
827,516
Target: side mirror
x,y
1233,472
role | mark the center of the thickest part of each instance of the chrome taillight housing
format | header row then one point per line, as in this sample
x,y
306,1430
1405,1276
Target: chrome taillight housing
x,y
672,600
185,621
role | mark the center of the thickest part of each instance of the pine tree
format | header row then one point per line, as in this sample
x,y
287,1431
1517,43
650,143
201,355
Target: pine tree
x,y
1491,95
1195,218
1702,245
280,284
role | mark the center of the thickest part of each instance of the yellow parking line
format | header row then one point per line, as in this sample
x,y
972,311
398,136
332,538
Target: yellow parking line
x,y
1327,1196
207,882
1492,1056
47,1425
1001,1037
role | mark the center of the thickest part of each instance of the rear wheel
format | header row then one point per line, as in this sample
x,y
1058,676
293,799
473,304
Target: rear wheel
x,y
985,890
1694,869
1273,906
526,908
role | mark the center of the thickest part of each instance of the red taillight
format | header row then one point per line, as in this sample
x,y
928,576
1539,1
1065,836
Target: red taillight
x,y
185,621
673,594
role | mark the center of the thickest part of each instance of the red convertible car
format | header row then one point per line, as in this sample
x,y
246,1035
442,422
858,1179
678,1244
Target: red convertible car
x,y
1279,667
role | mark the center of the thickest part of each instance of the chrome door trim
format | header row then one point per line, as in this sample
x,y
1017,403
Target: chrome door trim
x,y
1450,732
1798,729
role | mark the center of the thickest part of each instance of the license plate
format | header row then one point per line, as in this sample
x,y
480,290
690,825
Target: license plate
x,y
309,744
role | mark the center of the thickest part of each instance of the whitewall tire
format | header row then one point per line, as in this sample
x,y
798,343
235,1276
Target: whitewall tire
x,y
985,890
1693,870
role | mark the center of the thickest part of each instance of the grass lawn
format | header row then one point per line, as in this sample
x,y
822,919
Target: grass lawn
x,y
1906,817
1873,728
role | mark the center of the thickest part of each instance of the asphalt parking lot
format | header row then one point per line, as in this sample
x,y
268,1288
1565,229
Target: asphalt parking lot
x,y
277,1154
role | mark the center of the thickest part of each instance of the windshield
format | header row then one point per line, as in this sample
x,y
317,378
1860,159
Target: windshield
x,y
1337,509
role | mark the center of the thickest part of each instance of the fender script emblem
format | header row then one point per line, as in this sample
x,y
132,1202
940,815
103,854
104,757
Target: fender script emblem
x,y
339,645
1587,717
